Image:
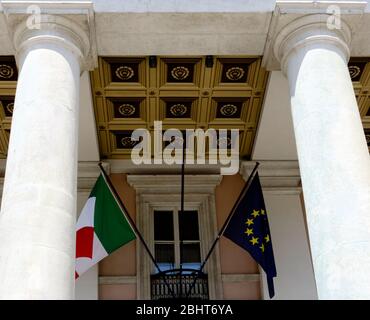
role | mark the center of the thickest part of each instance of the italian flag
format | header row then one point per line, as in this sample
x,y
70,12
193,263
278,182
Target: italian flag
x,y
101,228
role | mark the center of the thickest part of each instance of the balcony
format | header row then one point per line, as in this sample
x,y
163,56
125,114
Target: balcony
x,y
179,284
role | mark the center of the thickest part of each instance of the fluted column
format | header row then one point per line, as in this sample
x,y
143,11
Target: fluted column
x,y
37,220
333,155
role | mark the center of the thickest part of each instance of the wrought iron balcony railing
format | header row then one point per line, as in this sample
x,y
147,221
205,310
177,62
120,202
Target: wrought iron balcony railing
x,y
179,284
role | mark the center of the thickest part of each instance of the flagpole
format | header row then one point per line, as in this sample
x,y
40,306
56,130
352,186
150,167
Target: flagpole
x,y
131,221
227,221
182,207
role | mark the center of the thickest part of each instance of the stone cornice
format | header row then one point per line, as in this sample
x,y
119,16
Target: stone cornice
x,y
272,168
70,23
314,6
297,23
127,166
88,172
276,176
156,184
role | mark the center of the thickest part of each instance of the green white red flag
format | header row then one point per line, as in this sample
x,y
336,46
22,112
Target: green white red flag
x,y
101,228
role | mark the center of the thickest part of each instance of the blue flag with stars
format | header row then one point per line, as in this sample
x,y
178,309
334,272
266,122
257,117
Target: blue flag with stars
x,y
249,229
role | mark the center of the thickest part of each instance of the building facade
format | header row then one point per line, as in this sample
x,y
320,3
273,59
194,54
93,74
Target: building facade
x,y
78,77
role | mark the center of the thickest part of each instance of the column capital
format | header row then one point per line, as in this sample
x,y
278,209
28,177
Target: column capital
x,y
309,31
68,24
297,25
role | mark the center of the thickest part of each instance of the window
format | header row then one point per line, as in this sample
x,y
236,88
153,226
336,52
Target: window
x,y
161,193
176,239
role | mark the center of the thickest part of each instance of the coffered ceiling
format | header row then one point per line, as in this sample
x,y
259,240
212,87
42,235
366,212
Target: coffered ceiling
x,y
190,92
184,92
8,83
360,73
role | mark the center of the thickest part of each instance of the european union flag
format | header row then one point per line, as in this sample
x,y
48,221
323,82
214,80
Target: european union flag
x,y
249,228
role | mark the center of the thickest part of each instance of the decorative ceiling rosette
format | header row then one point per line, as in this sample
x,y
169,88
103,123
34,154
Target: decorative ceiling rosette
x,y
180,73
6,72
367,135
125,73
10,107
228,110
235,73
354,71
178,110
127,142
7,105
126,109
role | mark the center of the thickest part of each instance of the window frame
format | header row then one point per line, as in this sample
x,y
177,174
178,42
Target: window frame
x,y
160,192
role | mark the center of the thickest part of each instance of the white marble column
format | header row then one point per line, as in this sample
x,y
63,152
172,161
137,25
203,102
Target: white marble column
x,y
37,220
333,156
